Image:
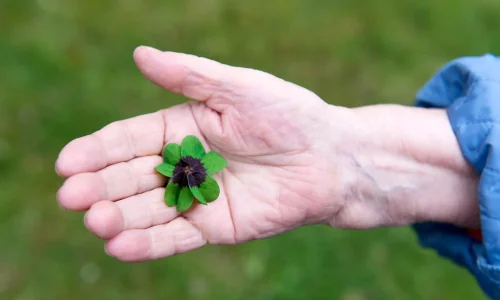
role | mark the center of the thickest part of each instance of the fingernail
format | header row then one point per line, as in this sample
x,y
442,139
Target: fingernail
x,y
59,202
85,222
57,167
148,49
57,172
106,251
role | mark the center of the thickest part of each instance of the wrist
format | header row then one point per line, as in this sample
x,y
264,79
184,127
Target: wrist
x,y
409,168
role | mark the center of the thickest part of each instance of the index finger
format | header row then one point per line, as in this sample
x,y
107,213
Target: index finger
x,y
117,142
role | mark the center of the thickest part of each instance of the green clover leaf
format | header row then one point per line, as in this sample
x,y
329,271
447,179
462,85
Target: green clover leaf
x,y
209,189
172,193
191,146
185,200
213,162
198,194
165,169
189,168
172,154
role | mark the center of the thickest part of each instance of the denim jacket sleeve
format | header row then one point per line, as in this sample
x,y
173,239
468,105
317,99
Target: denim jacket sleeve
x,y
469,89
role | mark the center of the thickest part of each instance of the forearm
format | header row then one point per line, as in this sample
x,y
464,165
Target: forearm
x,y
415,162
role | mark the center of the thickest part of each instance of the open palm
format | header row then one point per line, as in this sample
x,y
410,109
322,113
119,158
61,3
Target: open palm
x,y
270,131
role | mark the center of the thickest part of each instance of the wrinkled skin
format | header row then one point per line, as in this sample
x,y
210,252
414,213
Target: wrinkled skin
x,y
288,151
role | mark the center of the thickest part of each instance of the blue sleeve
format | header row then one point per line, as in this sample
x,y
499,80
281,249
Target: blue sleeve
x,y
469,89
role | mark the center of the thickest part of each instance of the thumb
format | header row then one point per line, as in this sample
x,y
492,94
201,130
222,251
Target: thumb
x,y
194,77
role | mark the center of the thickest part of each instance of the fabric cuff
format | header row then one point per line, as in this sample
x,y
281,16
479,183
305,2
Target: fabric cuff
x,y
469,89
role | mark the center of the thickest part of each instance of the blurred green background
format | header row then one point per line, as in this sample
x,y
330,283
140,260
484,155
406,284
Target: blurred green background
x,y
66,70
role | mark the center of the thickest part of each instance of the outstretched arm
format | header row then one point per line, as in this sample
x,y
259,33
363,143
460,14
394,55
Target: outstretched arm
x,y
292,158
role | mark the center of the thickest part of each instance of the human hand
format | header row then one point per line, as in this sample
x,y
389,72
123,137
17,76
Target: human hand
x,y
292,160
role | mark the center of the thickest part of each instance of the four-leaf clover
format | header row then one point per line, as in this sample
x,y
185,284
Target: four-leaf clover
x,y
189,168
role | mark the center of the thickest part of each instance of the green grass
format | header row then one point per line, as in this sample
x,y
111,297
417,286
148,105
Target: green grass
x,y
67,70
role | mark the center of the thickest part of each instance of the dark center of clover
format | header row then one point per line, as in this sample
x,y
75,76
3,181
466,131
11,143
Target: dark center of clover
x,y
189,171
